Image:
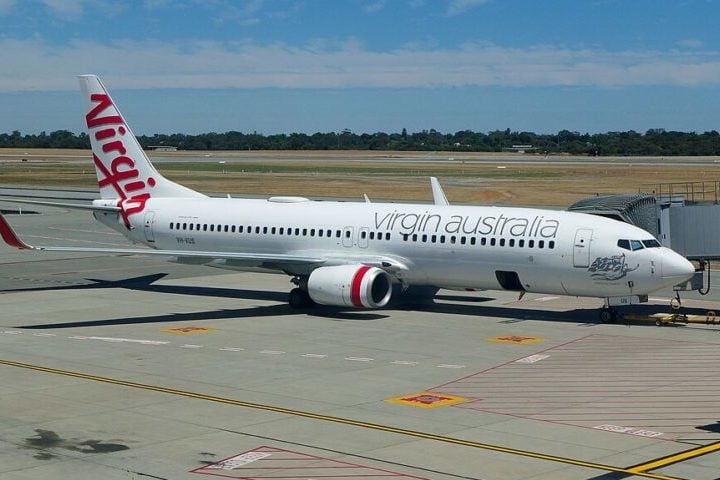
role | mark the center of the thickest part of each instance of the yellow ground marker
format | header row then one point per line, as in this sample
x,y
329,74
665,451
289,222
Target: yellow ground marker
x,y
427,400
187,330
515,339
674,458
339,420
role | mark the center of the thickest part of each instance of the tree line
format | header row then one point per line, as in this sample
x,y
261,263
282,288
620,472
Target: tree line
x,y
654,142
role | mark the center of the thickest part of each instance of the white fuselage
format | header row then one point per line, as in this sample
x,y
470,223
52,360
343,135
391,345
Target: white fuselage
x,y
535,250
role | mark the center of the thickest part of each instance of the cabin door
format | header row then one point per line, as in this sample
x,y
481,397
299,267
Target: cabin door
x,y
149,221
581,247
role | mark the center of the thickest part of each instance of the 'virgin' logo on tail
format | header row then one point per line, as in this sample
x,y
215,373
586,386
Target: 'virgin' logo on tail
x,y
121,173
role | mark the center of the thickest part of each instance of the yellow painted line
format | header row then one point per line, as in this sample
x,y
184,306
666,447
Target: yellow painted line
x,y
339,420
675,458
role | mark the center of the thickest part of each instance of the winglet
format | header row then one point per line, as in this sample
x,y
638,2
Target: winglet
x,y
439,197
10,237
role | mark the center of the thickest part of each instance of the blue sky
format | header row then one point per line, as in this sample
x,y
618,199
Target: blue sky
x,y
287,66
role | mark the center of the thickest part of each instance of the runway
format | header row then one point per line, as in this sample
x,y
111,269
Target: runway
x,y
133,367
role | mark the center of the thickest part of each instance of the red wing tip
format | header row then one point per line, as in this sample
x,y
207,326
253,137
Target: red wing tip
x,y
10,237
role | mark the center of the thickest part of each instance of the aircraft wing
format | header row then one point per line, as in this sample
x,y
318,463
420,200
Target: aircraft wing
x,y
268,260
12,239
78,206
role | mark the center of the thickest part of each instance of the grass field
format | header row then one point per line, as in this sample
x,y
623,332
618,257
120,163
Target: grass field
x,y
501,179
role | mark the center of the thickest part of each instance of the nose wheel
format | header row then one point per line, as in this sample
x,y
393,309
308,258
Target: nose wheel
x,y
609,315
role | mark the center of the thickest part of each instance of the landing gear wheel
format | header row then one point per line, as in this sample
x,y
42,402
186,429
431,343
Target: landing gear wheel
x,y
608,315
299,298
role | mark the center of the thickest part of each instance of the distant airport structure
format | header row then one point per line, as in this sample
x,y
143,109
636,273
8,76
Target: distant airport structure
x,y
162,148
519,148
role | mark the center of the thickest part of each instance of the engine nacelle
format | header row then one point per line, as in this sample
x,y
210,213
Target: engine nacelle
x,y
359,286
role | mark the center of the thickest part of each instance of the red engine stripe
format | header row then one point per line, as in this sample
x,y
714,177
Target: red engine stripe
x,y
355,286
9,235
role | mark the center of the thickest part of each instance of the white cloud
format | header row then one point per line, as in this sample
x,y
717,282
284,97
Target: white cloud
x,y
65,9
691,43
375,7
6,6
456,7
36,65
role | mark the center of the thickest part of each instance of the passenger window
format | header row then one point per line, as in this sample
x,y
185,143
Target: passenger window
x,y
511,242
281,231
297,232
531,243
171,225
521,243
337,233
405,237
305,233
433,238
272,231
387,236
329,233
472,240
233,229
265,230
636,245
492,242
320,232
191,226
551,244
204,227
462,240
483,241
624,244
442,238
363,234
424,238
541,243
257,230
414,237
372,236
312,232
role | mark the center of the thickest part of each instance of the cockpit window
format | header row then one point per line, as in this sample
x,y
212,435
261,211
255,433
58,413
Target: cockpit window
x,y
624,244
636,245
651,243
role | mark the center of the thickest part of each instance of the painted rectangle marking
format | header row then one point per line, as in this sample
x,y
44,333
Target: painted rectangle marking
x,y
628,430
532,358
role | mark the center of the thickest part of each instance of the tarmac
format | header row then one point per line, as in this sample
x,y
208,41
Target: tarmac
x,y
130,367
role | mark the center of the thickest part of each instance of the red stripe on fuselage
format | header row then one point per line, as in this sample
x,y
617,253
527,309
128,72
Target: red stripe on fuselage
x,y
355,286
10,237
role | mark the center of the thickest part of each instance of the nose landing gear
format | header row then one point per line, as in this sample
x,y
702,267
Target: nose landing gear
x,y
609,315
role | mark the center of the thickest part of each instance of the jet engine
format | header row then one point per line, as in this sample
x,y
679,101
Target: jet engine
x,y
359,286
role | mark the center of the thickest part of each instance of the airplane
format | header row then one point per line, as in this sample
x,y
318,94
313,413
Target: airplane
x,y
360,254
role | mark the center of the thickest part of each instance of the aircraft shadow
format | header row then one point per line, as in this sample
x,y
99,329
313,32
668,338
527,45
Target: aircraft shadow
x,y
146,283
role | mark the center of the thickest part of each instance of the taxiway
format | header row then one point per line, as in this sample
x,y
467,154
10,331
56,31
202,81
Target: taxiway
x,y
124,367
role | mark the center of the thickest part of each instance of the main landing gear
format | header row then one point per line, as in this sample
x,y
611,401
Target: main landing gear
x,y
299,297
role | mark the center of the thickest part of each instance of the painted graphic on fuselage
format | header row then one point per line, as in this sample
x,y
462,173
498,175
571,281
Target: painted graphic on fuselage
x,y
610,268
501,225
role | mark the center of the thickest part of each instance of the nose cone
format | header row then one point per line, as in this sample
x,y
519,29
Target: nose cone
x,y
676,268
